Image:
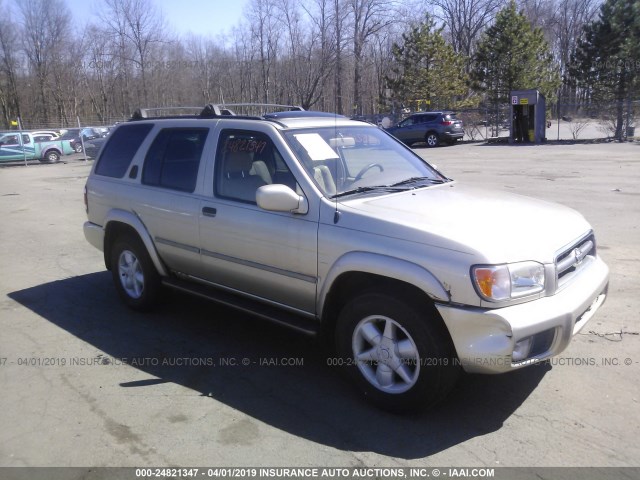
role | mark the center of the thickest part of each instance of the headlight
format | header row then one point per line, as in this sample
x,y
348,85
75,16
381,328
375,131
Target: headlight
x,y
505,282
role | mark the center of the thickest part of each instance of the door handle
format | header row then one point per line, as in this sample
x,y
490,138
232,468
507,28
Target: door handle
x,y
209,211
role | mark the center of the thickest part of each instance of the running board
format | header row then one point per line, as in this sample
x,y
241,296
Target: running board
x,y
304,325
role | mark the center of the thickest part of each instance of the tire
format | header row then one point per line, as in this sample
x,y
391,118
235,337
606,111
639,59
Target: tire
x,y
77,148
432,140
400,357
134,275
52,156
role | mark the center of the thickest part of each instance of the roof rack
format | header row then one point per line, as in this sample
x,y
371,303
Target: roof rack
x,y
246,109
149,113
213,110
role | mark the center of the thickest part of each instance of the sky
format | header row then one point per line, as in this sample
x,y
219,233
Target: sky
x,y
203,17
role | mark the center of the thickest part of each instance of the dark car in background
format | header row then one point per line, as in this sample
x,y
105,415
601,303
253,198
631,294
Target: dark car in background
x,y
432,128
92,147
73,135
87,134
91,133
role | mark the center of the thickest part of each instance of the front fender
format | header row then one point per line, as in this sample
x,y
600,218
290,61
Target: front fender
x,y
385,266
133,221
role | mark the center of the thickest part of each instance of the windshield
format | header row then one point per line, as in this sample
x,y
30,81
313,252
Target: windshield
x,y
355,159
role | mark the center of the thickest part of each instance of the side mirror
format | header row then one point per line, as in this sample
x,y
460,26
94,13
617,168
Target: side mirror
x,y
280,198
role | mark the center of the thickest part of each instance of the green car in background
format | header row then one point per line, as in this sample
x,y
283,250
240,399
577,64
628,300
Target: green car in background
x,y
16,146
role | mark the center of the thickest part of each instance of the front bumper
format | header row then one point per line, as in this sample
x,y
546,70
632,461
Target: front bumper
x,y
485,338
94,235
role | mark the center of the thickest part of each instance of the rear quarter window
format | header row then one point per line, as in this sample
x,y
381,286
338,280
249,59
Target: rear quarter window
x,y
121,148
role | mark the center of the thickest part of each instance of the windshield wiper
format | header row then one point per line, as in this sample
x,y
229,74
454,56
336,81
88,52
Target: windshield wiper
x,y
353,191
409,181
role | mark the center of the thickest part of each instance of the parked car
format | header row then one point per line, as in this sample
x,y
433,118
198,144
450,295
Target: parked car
x,y
433,128
335,228
53,133
92,147
42,137
73,136
89,133
25,146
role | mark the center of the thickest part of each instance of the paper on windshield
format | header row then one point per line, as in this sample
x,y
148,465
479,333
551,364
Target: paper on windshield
x,y
315,146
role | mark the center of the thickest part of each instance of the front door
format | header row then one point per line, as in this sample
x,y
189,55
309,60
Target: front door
x,y
271,256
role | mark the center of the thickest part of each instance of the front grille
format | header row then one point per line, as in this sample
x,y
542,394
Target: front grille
x,y
574,258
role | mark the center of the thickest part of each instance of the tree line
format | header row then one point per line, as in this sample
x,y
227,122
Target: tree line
x,y
354,57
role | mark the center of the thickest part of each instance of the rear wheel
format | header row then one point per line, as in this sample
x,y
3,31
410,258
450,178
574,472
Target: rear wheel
x,y
400,357
77,148
432,139
51,156
134,274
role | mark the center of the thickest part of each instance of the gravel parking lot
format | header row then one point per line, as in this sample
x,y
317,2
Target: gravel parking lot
x,y
86,382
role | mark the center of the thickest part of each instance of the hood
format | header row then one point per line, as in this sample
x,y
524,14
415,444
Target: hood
x,y
496,227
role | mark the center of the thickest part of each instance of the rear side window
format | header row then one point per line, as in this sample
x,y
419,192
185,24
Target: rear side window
x,y
174,158
121,148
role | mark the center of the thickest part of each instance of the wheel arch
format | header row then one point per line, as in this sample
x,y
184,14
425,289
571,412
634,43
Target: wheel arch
x,y
430,131
358,272
45,154
120,222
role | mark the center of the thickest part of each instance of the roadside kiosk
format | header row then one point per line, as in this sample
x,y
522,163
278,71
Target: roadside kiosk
x,y
528,117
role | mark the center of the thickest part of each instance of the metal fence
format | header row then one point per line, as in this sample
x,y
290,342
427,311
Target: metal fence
x,y
565,121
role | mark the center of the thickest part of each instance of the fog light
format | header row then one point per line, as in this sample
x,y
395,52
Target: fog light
x,y
522,349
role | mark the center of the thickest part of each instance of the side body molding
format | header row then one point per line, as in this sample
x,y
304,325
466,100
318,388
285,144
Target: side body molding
x,y
131,219
384,266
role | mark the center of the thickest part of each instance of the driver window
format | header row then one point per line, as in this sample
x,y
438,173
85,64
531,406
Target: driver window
x,y
10,140
246,161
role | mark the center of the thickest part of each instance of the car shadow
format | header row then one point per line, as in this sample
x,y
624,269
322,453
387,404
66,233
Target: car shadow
x,y
309,401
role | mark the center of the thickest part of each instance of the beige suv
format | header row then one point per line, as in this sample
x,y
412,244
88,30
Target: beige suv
x,y
334,228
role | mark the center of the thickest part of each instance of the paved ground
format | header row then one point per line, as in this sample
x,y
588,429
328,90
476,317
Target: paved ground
x,y
69,399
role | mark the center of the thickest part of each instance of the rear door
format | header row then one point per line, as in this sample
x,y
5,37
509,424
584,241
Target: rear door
x,y
167,199
412,129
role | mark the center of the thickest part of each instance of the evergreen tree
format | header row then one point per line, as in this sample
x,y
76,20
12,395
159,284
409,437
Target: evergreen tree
x,y
427,71
606,63
513,56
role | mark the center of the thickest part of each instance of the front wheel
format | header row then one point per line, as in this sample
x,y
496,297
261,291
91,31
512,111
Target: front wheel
x,y
398,354
134,275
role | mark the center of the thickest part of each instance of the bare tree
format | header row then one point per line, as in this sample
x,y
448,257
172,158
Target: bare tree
x,y
340,15
369,18
205,55
45,25
570,18
465,20
9,47
265,34
137,26
99,70
306,67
